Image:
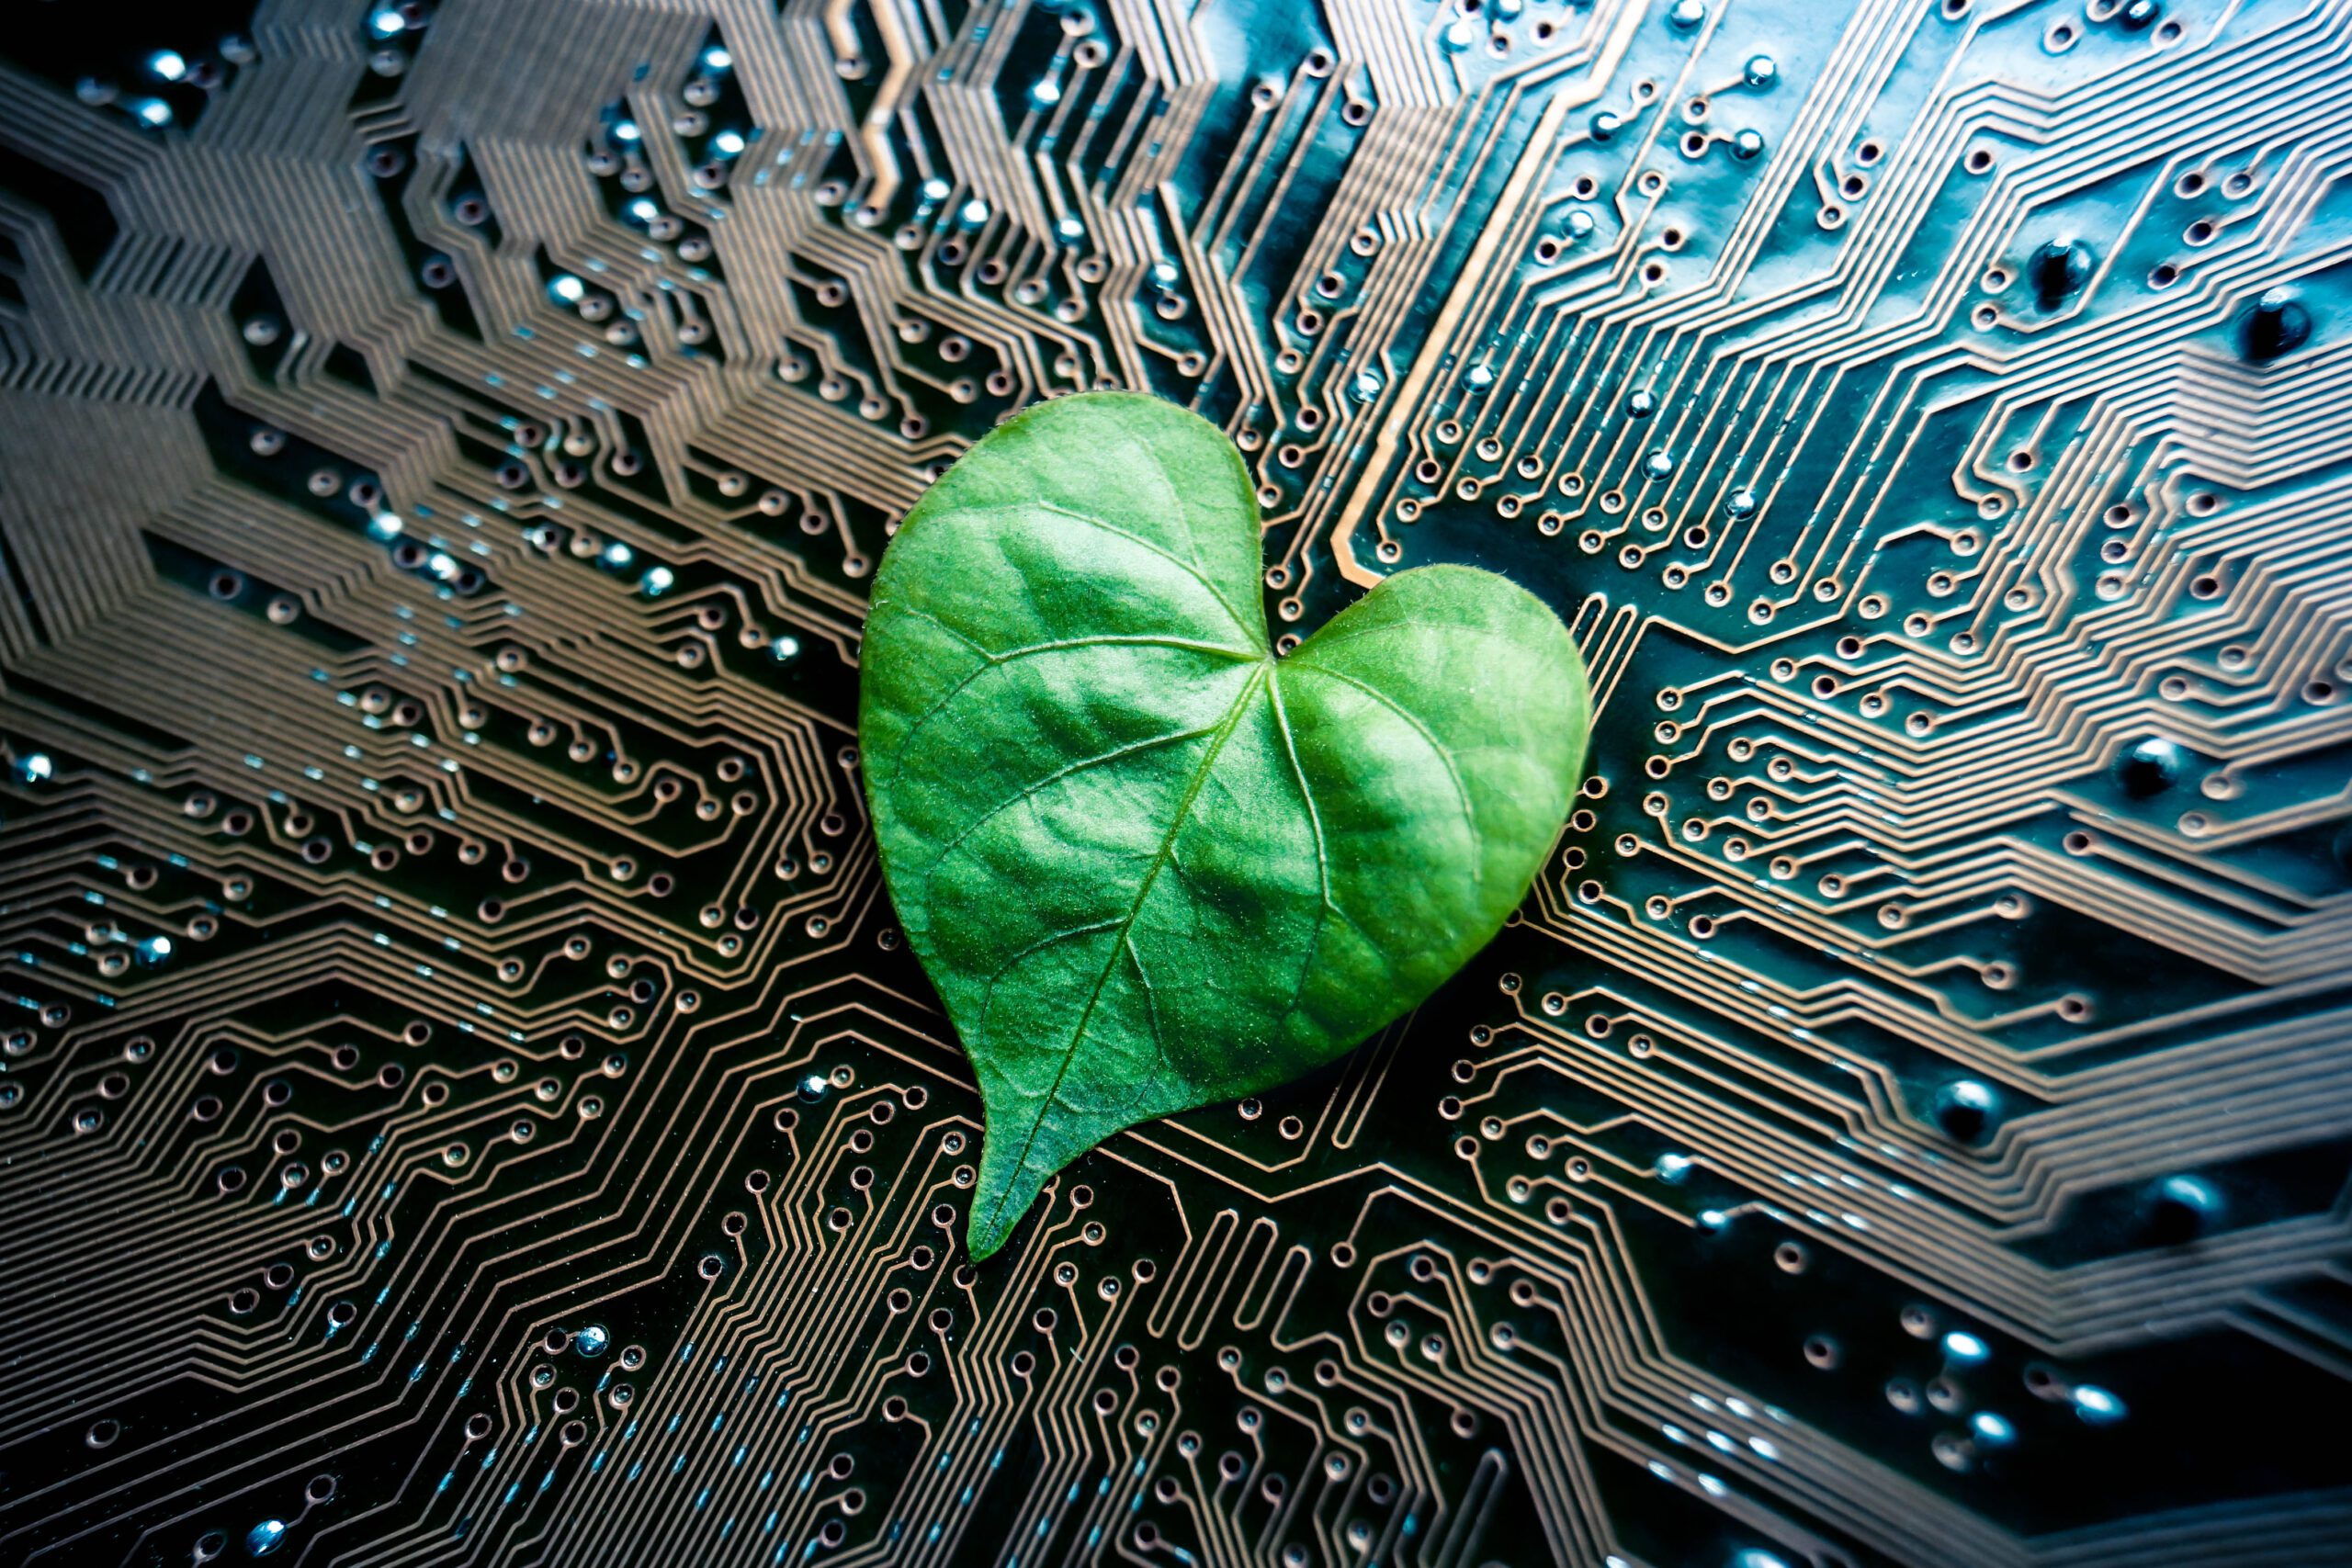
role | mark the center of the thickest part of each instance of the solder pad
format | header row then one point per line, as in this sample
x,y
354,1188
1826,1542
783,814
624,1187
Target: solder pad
x,y
463,1099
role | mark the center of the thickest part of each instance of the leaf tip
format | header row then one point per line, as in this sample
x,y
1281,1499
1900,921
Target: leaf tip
x,y
1003,1199
994,1221
985,1237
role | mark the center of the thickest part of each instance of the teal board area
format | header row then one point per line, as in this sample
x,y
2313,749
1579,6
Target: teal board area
x,y
464,1096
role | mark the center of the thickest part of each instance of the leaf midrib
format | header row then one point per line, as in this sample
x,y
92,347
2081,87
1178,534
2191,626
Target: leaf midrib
x,y
1126,924
1266,678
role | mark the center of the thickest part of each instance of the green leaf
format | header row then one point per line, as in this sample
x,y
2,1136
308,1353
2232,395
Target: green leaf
x,y
1149,864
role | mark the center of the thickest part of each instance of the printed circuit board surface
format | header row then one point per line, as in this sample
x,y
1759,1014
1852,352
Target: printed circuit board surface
x,y
463,1098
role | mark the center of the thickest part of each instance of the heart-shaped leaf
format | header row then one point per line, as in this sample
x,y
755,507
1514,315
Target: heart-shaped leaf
x,y
1147,864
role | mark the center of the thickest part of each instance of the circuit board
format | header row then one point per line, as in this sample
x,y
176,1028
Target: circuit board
x,y
463,1096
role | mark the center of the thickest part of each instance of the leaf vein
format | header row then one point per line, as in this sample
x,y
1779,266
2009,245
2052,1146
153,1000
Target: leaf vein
x,y
1033,787
1195,570
1453,774
994,660
1329,905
